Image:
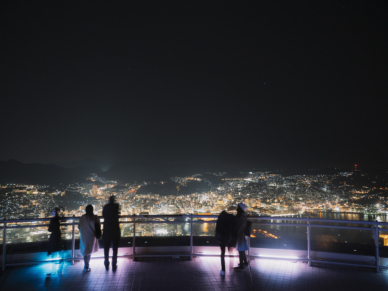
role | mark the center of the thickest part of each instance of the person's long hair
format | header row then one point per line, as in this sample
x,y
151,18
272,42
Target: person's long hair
x,y
239,211
89,212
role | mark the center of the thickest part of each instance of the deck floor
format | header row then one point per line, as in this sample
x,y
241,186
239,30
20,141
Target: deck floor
x,y
202,273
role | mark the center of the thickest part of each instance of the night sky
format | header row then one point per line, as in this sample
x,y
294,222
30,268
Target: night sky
x,y
276,83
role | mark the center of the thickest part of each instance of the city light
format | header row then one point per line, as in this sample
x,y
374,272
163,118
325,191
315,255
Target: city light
x,y
161,231
265,194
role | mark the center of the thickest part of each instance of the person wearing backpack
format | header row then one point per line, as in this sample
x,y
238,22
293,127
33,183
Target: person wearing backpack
x,y
242,244
87,230
224,235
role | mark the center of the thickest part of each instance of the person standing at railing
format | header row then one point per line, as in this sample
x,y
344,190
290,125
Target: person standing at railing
x,y
242,244
225,235
111,232
87,229
55,244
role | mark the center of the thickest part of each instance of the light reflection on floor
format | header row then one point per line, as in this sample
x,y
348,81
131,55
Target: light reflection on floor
x,y
203,273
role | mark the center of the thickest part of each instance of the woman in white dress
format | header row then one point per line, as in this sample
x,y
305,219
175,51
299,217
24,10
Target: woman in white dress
x,y
242,244
88,241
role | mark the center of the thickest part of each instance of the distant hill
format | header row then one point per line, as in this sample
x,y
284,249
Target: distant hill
x,y
156,172
305,171
13,171
86,163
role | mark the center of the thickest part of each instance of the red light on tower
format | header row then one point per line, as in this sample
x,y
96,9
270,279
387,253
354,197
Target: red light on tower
x,y
355,167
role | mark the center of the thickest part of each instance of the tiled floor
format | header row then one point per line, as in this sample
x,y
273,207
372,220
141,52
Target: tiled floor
x,y
200,274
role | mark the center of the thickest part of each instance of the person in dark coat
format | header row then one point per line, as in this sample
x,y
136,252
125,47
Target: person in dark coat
x,y
224,235
242,244
111,233
55,245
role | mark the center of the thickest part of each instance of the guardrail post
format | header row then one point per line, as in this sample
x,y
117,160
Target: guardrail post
x,y
377,247
72,242
4,245
309,241
134,239
191,237
249,247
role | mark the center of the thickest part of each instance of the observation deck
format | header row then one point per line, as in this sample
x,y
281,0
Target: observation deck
x,y
180,253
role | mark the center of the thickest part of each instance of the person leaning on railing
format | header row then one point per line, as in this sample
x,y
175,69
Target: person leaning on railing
x,y
55,244
225,235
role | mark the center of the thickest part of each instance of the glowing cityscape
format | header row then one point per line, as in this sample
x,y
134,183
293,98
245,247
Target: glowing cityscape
x,y
265,193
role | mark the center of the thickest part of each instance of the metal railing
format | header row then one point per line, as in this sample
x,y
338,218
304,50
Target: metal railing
x,y
139,219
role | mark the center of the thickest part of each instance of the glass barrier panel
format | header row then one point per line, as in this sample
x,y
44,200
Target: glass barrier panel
x,y
346,241
360,224
1,238
162,229
162,234
30,232
204,233
383,227
383,243
274,220
28,223
30,243
205,219
67,230
77,235
121,219
161,218
279,237
207,228
27,234
126,229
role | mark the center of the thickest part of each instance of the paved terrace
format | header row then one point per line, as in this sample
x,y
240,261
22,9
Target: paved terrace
x,y
203,273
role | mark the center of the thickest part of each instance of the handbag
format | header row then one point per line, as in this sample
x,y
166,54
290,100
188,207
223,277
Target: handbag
x,y
97,228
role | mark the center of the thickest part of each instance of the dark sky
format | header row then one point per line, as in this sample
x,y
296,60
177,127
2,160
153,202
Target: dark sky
x,y
272,83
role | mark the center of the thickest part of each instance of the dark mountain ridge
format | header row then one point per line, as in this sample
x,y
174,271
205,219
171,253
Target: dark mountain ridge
x,y
13,171
86,163
156,172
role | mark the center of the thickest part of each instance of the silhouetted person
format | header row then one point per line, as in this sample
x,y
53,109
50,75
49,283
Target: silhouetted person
x,y
55,245
88,241
111,233
242,244
224,235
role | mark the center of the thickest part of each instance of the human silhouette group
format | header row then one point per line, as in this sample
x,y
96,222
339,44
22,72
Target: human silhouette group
x,y
88,226
231,232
